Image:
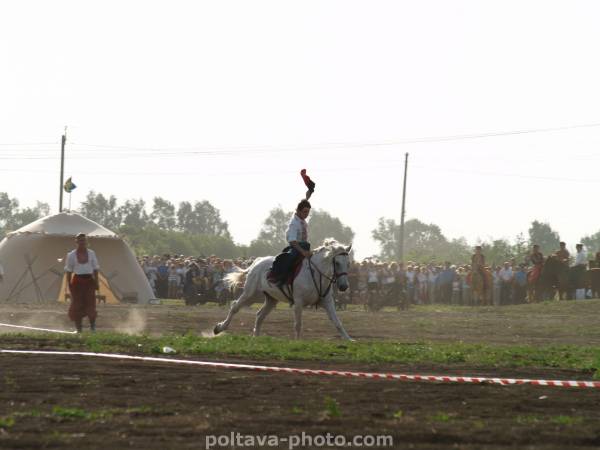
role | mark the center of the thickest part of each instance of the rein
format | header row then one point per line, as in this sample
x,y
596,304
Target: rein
x,y
333,279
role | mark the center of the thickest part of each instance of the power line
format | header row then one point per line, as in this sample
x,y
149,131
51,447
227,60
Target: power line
x,y
99,151
390,165
343,145
28,144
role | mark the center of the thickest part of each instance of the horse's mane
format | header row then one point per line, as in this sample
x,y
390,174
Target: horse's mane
x,y
329,248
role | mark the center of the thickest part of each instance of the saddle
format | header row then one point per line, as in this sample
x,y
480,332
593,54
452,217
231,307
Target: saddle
x,y
279,272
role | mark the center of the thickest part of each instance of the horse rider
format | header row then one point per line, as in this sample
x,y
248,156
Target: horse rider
x,y
537,259
563,254
299,247
478,265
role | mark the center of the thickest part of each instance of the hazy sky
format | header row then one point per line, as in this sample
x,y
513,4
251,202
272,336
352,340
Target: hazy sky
x,y
227,100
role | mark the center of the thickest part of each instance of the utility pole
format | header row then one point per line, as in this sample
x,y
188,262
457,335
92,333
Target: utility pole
x,y
62,169
401,239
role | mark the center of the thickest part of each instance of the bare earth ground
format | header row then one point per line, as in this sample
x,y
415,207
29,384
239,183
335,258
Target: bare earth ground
x,y
155,405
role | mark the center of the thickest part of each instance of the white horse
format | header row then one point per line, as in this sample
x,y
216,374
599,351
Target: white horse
x,y
328,265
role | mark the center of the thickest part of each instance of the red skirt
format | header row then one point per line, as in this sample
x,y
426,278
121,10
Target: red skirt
x,y
83,301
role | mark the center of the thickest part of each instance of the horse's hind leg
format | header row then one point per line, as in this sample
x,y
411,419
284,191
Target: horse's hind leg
x,y
235,307
263,312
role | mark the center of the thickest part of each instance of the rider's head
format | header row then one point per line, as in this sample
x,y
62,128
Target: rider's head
x,y
303,209
536,247
563,245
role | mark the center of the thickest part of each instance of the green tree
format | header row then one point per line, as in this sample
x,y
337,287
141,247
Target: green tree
x,y
497,252
12,217
592,242
422,242
542,234
152,240
133,213
323,225
202,218
520,248
271,238
102,210
386,234
163,214
8,208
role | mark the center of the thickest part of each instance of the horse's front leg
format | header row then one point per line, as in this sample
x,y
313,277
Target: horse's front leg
x,y
297,318
329,306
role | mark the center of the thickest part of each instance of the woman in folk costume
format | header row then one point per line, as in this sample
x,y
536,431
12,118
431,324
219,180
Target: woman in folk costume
x,y
82,279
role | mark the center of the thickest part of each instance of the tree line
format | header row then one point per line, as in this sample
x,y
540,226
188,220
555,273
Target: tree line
x,y
197,228
426,242
190,228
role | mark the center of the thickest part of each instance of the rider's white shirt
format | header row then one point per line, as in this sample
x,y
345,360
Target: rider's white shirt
x,y
295,228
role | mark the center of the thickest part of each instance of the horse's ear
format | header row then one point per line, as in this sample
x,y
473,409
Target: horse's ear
x,y
349,248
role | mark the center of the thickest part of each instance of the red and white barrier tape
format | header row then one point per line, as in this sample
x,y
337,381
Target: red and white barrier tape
x,y
368,375
35,328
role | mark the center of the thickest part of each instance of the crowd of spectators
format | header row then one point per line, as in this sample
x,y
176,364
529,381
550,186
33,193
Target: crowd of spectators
x,y
190,278
420,284
371,281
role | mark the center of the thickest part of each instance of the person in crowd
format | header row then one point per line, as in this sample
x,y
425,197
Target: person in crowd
x,y
173,282
496,282
466,287
1,273
506,284
456,289
81,267
563,254
431,284
579,272
520,285
445,280
478,265
372,281
353,275
410,284
162,280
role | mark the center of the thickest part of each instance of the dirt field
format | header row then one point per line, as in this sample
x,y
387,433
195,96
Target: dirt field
x,y
70,402
566,323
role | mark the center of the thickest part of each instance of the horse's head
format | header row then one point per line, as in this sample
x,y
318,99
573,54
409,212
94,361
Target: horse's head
x,y
341,264
338,256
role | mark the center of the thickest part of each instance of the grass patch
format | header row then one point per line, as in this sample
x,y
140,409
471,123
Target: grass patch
x,y
566,420
265,347
6,422
441,417
332,407
70,413
530,419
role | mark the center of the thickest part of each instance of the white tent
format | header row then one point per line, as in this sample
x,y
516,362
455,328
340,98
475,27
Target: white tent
x,y
33,261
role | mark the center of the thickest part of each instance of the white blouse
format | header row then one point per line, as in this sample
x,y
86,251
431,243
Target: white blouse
x,y
75,267
297,230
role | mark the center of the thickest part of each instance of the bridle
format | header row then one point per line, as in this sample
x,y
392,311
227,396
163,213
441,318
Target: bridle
x,y
331,280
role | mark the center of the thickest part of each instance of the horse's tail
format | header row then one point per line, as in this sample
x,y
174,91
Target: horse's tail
x,y
235,279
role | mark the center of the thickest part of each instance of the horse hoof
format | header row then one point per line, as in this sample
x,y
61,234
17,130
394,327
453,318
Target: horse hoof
x,y
216,330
